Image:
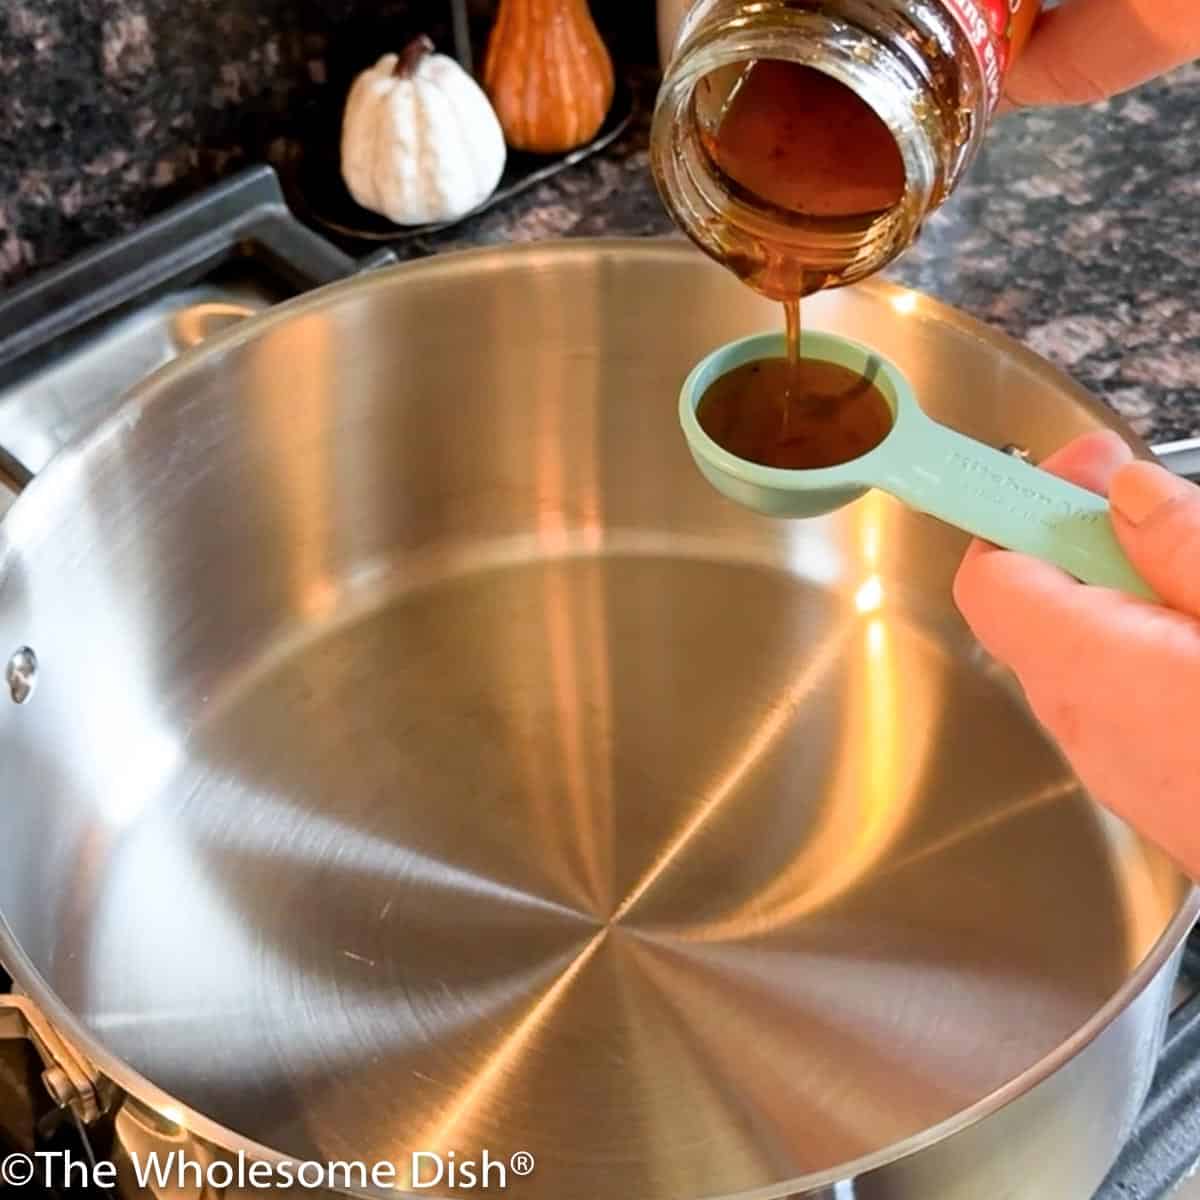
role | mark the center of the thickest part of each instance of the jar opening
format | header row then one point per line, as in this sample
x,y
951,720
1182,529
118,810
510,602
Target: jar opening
x,y
800,159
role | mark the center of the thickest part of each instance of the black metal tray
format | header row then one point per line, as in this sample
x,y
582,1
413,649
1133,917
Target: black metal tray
x,y
312,176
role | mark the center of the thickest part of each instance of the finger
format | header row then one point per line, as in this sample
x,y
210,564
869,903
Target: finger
x,y
1088,50
1017,606
1090,461
1040,623
1156,516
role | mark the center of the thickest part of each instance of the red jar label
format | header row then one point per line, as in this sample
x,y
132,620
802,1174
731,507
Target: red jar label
x,y
997,30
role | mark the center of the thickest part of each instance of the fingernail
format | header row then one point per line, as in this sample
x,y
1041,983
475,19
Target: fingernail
x,y
1141,490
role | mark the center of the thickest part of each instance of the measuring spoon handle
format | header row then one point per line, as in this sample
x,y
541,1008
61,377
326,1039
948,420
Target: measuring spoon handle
x,y
1005,501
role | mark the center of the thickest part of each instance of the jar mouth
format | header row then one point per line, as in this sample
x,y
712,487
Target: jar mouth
x,y
783,252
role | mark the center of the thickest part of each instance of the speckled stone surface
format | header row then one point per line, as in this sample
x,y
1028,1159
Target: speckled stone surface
x,y
1078,231
112,110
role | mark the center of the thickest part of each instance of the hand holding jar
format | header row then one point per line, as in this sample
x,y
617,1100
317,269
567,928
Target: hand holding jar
x,y
1088,50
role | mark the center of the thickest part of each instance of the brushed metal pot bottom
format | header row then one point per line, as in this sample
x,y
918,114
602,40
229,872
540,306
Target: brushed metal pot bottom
x,y
422,757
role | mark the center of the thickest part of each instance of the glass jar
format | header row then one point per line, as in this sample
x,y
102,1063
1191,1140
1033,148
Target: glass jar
x,y
931,71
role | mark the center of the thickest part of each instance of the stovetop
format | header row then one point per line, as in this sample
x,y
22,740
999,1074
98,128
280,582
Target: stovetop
x,y
73,341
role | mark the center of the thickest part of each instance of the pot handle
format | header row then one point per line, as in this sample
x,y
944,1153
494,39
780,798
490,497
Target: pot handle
x,y
245,216
71,1081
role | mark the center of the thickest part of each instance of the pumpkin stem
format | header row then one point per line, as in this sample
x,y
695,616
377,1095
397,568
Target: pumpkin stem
x,y
411,56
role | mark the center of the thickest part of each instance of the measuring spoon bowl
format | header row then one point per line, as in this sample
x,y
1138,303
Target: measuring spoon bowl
x,y
920,462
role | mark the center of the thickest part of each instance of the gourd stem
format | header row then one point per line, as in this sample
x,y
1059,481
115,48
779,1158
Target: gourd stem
x,y
411,56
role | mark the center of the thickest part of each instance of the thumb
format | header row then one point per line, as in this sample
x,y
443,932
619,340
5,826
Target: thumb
x,y
1088,50
1156,515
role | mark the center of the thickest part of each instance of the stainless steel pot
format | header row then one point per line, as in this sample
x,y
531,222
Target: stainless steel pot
x,y
415,754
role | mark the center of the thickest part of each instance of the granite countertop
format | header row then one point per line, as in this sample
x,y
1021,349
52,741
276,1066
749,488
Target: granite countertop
x,y
1077,231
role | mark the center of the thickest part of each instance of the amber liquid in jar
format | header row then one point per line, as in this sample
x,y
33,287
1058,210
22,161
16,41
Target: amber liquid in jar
x,y
806,144
802,142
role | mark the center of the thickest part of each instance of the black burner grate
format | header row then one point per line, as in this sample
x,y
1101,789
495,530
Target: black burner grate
x,y
1165,1144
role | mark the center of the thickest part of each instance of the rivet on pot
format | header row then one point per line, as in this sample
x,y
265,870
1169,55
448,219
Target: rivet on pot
x,y
21,674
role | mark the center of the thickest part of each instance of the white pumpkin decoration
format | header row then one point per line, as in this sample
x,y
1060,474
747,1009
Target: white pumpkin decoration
x,y
420,140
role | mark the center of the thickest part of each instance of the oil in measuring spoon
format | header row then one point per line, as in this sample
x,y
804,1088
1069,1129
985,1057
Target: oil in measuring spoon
x,y
792,412
798,416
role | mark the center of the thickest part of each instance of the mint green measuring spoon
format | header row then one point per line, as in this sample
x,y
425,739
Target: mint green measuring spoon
x,y
926,465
